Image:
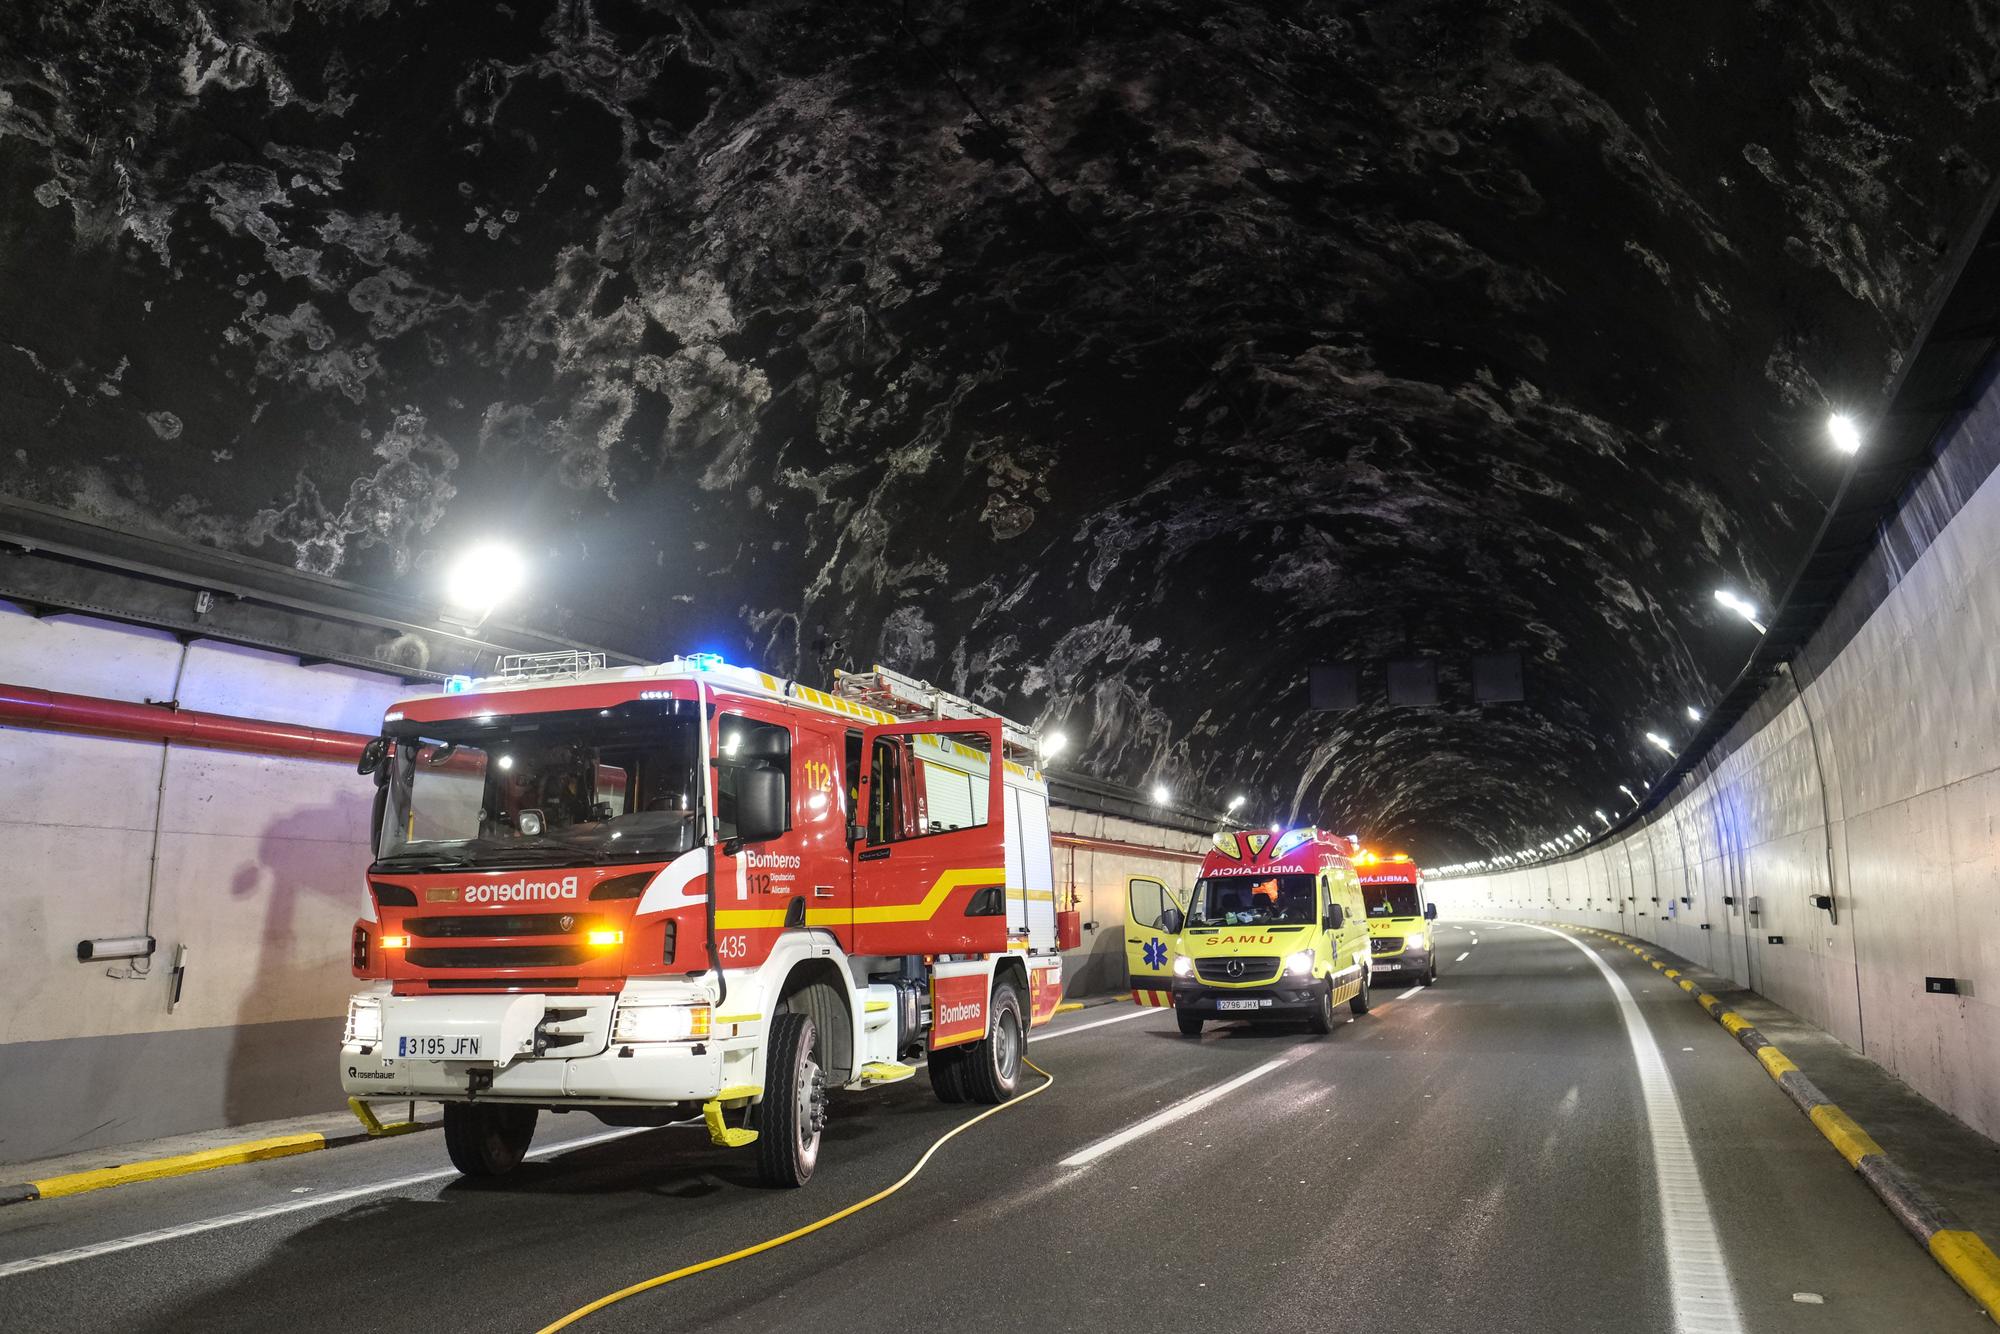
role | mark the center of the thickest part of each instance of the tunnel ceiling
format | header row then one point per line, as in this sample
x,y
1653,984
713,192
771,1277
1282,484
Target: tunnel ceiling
x,y
1109,362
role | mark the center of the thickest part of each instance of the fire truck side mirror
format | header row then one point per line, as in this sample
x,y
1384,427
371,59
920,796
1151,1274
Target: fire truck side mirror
x,y
372,755
760,805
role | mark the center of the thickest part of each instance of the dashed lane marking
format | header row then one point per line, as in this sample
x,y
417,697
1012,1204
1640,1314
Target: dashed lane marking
x,y
1184,1108
1463,957
1411,992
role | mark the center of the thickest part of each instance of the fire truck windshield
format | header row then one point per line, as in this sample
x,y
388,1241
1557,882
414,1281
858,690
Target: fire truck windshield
x,y
540,789
1276,900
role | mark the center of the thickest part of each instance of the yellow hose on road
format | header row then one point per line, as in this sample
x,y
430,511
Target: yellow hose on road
x,y
661,1280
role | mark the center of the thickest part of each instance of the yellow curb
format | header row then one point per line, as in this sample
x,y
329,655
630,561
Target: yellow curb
x,y
1067,1006
1971,1261
1673,972
1705,1000
1733,1021
1775,1061
76,1183
1687,986
1840,1129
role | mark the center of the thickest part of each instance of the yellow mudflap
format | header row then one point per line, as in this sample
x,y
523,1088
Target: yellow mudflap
x,y
885,1072
720,1134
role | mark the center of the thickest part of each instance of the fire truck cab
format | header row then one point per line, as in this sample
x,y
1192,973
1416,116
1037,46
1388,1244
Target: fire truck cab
x,y
1273,930
647,892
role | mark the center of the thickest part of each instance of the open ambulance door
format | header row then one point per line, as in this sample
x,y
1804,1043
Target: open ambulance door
x,y
930,859
1153,915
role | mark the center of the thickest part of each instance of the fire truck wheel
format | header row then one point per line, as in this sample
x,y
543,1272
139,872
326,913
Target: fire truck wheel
x,y
993,1067
947,1069
1320,1016
487,1139
1190,1023
793,1112
1360,1002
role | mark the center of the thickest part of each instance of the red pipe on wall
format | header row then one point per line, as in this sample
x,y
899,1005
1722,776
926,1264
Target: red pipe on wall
x,y
26,706
1091,844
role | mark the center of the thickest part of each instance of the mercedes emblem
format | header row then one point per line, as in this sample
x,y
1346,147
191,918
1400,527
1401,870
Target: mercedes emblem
x,y
1235,968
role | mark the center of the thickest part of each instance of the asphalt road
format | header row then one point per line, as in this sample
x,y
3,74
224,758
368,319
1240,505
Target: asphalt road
x,y
1480,1156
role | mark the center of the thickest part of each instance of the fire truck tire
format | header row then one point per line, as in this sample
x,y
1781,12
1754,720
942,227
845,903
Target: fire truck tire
x,y
1320,1017
487,1139
992,1066
1190,1023
947,1069
1360,1002
793,1112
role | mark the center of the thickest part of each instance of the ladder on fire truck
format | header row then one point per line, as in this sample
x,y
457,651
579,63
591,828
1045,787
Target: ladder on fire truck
x,y
908,700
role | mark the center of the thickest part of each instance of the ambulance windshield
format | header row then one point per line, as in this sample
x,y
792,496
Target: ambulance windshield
x,y
1392,900
1248,900
540,789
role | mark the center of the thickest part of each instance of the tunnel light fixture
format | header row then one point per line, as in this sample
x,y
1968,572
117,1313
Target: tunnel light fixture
x,y
1654,738
1602,816
1160,794
1844,431
484,576
1234,802
1052,746
1741,606
1694,714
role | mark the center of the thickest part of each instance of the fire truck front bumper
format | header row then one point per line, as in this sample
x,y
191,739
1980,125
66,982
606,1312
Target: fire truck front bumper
x,y
533,1048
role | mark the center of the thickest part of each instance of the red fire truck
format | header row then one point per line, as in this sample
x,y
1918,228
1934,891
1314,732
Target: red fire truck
x,y
644,892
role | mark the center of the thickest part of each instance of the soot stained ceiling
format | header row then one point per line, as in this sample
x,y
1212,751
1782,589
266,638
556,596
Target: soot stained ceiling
x,y
1108,361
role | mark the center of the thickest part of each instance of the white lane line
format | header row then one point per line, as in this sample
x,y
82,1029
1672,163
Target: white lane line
x,y
12,1267
1463,957
1185,1107
1411,992
1099,1023
1704,1299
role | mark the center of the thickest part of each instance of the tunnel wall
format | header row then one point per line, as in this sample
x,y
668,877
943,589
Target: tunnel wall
x,y
254,863
1876,771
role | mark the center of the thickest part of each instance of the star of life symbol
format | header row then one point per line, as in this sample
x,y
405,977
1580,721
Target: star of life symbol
x,y
1156,953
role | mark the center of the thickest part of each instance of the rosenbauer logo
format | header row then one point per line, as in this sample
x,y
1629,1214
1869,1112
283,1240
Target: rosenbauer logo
x,y
522,891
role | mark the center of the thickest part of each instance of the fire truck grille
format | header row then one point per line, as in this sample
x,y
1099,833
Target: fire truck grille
x,y
500,956
1259,968
508,924
1386,944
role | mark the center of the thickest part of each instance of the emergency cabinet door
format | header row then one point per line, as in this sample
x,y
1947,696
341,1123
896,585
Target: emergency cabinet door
x,y
930,871
1149,946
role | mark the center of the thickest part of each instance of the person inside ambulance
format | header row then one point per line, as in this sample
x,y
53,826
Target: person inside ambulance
x,y
1280,900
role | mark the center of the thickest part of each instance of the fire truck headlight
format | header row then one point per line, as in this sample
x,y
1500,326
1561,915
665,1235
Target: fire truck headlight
x,y
364,1019
660,1023
1183,966
1300,964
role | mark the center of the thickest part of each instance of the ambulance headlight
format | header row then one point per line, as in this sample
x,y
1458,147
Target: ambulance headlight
x,y
660,1023
1300,964
364,1019
1416,942
1183,966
